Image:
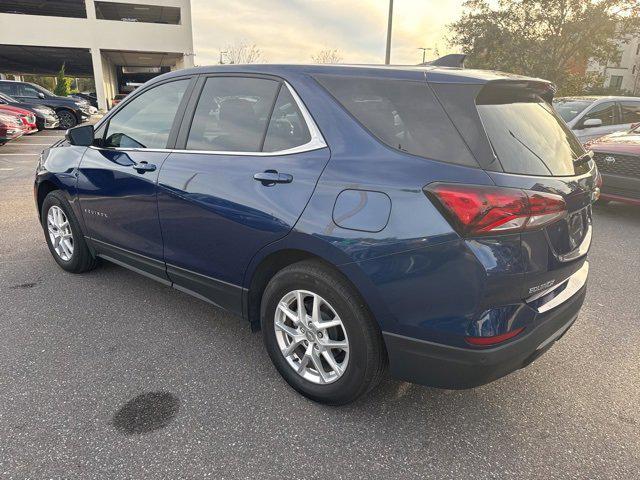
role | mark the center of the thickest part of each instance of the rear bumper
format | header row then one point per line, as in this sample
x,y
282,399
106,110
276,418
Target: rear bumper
x,y
444,366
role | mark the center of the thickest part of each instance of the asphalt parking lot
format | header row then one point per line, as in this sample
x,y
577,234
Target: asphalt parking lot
x,y
111,375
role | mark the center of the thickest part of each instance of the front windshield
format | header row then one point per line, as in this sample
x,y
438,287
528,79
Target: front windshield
x,y
42,89
570,108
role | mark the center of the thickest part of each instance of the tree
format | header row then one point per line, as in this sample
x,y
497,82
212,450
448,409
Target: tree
x,y
327,55
243,52
552,39
63,84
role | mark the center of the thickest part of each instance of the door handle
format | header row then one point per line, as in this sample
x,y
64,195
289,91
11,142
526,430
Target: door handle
x,y
144,166
271,177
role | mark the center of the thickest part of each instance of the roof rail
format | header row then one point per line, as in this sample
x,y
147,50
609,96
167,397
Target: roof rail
x,y
451,60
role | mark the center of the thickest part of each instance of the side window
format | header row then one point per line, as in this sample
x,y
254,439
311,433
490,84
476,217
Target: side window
x,y
630,112
605,112
232,114
404,114
146,121
7,88
287,128
27,91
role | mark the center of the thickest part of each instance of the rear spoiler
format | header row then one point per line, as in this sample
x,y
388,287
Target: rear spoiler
x,y
452,60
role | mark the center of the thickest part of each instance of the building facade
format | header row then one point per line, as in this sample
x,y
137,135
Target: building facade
x,y
625,75
120,44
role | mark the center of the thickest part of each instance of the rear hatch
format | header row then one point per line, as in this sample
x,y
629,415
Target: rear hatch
x,y
519,140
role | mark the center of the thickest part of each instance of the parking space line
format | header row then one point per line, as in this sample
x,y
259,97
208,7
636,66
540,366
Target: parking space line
x,y
19,154
31,144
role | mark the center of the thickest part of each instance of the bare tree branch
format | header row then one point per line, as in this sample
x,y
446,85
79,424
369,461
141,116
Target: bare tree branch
x,y
327,55
243,52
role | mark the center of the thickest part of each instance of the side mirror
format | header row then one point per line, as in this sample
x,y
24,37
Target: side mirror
x,y
592,122
40,95
82,135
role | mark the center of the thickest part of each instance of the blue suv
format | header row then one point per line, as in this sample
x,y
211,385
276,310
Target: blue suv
x,y
429,221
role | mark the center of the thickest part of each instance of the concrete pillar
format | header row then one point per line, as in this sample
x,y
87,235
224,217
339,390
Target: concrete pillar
x,y
188,60
91,9
98,78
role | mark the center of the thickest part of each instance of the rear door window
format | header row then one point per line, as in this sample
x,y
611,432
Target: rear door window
x,y
232,114
287,128
403,114
526,134
630,112
605,112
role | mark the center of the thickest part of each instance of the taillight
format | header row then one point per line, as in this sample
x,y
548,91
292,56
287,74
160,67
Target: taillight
x,y
488,210
489,341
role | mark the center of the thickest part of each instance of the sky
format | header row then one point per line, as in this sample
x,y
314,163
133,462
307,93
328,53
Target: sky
x,y
291,31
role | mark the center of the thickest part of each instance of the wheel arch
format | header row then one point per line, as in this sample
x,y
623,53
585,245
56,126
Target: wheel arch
x,y
267,263
44,188
262,273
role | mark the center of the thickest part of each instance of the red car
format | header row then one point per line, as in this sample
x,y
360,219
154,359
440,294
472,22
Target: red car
x,y
27,118
117,99
618,158
10,128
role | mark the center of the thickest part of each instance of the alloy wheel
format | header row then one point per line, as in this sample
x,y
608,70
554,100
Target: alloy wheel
x,y
60,233
311,337
67,120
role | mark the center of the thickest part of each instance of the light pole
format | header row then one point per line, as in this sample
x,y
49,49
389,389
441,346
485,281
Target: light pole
x,y
424,53
387,57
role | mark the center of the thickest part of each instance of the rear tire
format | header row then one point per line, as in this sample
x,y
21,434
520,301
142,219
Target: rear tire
x,y
64,236
354,370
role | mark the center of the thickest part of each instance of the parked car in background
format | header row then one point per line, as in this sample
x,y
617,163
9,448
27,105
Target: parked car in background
x,y
45,117
10,128
591,116
118,98
435,220
618,158
70,111
27,118
89,97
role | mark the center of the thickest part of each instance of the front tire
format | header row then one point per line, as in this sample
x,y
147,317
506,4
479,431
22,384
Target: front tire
x,y
67,119
320,335
64,235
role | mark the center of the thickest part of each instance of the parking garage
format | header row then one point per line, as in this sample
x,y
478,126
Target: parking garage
x,y
119,44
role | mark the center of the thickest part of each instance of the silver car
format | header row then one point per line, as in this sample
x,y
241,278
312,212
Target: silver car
x,y
591,116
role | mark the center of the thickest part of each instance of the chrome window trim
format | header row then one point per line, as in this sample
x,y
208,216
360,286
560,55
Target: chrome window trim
x,y
316,143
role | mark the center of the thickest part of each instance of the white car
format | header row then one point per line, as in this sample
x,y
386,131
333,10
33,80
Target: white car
x,y
592,117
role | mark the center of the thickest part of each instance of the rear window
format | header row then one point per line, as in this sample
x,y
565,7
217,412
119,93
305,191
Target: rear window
x,y
403,114
526,134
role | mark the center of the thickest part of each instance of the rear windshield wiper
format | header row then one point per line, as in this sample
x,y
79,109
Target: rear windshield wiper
x,y
584,158
534,153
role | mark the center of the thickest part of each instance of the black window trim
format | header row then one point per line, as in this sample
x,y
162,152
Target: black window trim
x,y
316,142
